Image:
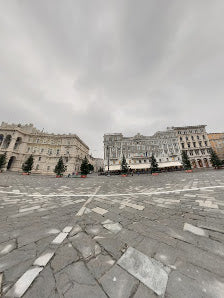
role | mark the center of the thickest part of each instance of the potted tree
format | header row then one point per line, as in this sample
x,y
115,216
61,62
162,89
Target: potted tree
x,y
59,168
186,162
216,162
91,168
2,161
28,165
124,167
84,168
154,166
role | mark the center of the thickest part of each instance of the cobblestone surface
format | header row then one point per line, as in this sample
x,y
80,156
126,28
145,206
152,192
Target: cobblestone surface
x,y
82,227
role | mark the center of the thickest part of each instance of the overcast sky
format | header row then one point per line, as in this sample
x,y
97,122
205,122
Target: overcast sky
x,y
94,67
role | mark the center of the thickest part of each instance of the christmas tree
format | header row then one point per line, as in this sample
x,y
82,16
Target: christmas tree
x,y
85,166
28,164
154,164
186,161
216,162
124,166
60,167
2,160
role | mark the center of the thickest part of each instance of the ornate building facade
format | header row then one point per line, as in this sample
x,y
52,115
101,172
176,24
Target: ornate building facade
x,y
138,150
217,143
166,146
195,141
20,141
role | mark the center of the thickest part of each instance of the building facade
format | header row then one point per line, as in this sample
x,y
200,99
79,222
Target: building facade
x,y
96,162
194,140
166,146
20,141
217,143
138,150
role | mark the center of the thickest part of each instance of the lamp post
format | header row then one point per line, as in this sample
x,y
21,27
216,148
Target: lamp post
x,y
108,161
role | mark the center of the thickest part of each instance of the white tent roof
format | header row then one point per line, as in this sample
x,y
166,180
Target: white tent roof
x,y
140,166
169,164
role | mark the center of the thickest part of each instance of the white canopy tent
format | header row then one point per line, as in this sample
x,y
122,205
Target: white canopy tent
x,y
141,166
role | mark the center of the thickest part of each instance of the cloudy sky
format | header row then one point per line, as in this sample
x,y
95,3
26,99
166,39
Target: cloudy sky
x,y
94,67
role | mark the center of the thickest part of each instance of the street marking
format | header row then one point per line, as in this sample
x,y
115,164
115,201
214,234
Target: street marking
x,y
82,210
99,210
120,194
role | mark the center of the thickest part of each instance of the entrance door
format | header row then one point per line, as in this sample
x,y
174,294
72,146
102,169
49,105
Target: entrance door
x,y
11,161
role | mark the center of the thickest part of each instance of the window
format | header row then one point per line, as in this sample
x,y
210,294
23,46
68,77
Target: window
x,y
140,161
159,160
182,144
28,149
203,137
48,168
180,138
198,138
197,152
191,152
206,143
192,137
39,158
66,159
186,138
42,150
203,151
194,144
200,144
188,145
37,167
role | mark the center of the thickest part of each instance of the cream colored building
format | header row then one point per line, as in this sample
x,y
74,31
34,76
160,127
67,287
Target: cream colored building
x,y
166,146
20,141
138,150
195,141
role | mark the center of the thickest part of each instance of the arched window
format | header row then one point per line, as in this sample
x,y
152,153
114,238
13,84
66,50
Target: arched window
x,y
7,141
17,143
1,139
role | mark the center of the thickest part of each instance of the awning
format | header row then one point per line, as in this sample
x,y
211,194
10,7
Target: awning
x,y
140,166
169,164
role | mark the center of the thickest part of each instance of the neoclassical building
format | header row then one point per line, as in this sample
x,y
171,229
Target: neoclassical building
x,y
138,150
194,140
20,141
166,146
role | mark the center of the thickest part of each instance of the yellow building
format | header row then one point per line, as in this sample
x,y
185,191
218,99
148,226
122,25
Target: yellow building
x,y
217,143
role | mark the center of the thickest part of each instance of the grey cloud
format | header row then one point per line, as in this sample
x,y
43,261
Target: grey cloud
x,y
92,67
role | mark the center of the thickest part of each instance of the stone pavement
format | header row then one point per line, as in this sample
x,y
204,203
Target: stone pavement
x,y
140,236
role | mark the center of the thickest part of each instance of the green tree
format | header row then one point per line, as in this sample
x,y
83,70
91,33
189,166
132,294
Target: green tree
x,y
60,167
2,160
84,166
28,164
185,160
91,167
216,162
124,166
154,164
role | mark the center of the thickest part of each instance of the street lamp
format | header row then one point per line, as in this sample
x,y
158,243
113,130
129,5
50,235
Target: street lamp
x,y
108,161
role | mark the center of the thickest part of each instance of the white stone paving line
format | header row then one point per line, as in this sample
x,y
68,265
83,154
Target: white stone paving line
x,y
99,210
195,230
121,194
25,281
60,238
44,258
82,210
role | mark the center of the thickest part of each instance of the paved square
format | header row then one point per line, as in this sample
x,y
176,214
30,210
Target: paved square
x,y
65,237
